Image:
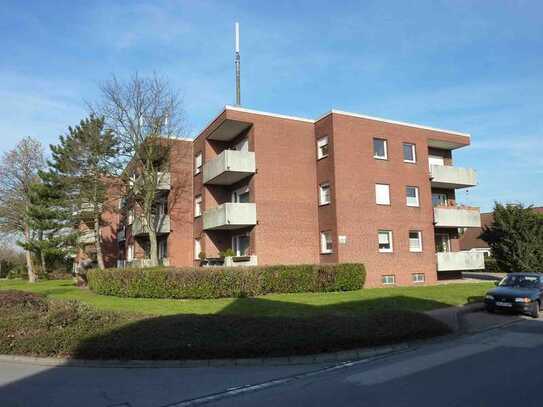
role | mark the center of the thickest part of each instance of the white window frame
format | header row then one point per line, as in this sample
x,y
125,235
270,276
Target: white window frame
x,y
130,252
323,200
234,197
390,241
419,239
378,157
198,206
407,198
236,245
436,160
413,152
321,142
416,278
382,188
198,163
388,279
326,237
197,248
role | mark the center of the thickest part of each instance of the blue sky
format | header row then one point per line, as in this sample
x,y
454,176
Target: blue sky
x,y
475,67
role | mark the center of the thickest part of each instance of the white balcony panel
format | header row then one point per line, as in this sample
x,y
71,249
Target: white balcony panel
x,y
87,237
162,225
164,181
446,176
229,167
457,217
457,261
230,216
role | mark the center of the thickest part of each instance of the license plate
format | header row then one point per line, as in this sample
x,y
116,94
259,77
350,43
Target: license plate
x,y
503,304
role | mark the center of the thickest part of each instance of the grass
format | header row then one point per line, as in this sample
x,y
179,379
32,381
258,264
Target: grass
x,y
32,324
422,298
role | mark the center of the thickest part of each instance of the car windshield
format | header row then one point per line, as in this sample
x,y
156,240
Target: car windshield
x,y
520,281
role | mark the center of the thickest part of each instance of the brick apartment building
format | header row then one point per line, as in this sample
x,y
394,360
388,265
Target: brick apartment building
x,y
287,190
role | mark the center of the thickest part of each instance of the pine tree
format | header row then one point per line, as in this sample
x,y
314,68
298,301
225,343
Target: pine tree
x,y
49,216
86,160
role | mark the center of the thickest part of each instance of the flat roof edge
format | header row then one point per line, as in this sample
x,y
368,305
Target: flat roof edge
x,y
280,116
380,119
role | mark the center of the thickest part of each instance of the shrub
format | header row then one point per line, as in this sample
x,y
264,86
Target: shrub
x,y
11,299
491,265
226,282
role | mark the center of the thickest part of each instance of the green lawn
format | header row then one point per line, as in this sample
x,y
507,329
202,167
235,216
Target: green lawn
x,y
292,305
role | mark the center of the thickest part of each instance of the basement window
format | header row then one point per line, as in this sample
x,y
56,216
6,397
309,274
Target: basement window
x,y
389,279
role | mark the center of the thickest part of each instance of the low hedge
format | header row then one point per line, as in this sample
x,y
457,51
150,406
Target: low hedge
x,y
226,282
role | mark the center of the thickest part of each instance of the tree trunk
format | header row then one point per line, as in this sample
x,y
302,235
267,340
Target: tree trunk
x,y
98,243
153,247
43,263
32,276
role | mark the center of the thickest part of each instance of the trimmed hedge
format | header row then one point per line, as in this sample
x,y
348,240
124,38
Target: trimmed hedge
x,y
491,265
226,282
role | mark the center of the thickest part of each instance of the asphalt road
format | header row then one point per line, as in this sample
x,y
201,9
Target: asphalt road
x,y
499,367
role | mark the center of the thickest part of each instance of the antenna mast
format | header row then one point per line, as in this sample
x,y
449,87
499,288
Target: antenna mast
x,y
237,62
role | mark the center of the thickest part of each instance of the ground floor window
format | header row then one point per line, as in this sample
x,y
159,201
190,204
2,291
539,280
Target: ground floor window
x,y
385,241
415,241
389,279
197,248
162,248
418,277
443,242
326,242
241,244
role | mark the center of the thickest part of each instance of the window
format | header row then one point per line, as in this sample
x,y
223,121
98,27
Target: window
x,y
198,163
130,219
380,149
389,279
130,253
198,206
409,153
415,241
382,194
412,196
241,195
324,193
163,248
439,199
385,241
322,147
443,242
240,245
418,278
326,242
197,248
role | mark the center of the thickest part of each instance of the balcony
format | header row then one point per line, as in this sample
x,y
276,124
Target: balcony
x,y
458,261
456,217
446,176
87,237
229,167
164,182
230,216
162,225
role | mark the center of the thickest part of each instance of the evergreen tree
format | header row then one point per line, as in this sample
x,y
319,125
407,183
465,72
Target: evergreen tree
x,y
86,160
49,216
516,238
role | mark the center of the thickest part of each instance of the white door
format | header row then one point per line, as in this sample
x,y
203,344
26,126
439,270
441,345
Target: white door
x,y
436,160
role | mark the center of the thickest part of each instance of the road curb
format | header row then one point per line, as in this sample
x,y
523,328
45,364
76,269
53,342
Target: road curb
x,y
334,357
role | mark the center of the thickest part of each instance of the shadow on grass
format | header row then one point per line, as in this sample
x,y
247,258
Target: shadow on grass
x,y
229,334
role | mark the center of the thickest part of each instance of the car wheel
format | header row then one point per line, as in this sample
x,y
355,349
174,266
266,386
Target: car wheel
x,y
535,310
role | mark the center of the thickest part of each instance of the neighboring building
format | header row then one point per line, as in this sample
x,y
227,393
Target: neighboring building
x,y
343,188
470,240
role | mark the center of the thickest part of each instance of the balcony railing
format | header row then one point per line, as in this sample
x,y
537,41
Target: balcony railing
x,y
230,216
458,261
457,217
87,237
229,167
446,176
162,225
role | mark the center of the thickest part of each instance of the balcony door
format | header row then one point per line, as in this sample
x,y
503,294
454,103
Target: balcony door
x,y
443,242
241,195
435,160
240,244
243,145
439,199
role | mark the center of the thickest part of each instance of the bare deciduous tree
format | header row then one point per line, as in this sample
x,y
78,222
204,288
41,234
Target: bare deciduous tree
x,y
145,115
18,171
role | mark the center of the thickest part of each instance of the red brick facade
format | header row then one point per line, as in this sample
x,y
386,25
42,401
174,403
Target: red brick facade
x,y
285,191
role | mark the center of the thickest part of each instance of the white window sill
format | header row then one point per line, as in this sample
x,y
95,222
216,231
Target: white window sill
x,y
380,158
409,162
324,156
324,203
327,252
386,251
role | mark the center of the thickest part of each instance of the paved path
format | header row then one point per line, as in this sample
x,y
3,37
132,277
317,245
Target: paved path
x,y
495,367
